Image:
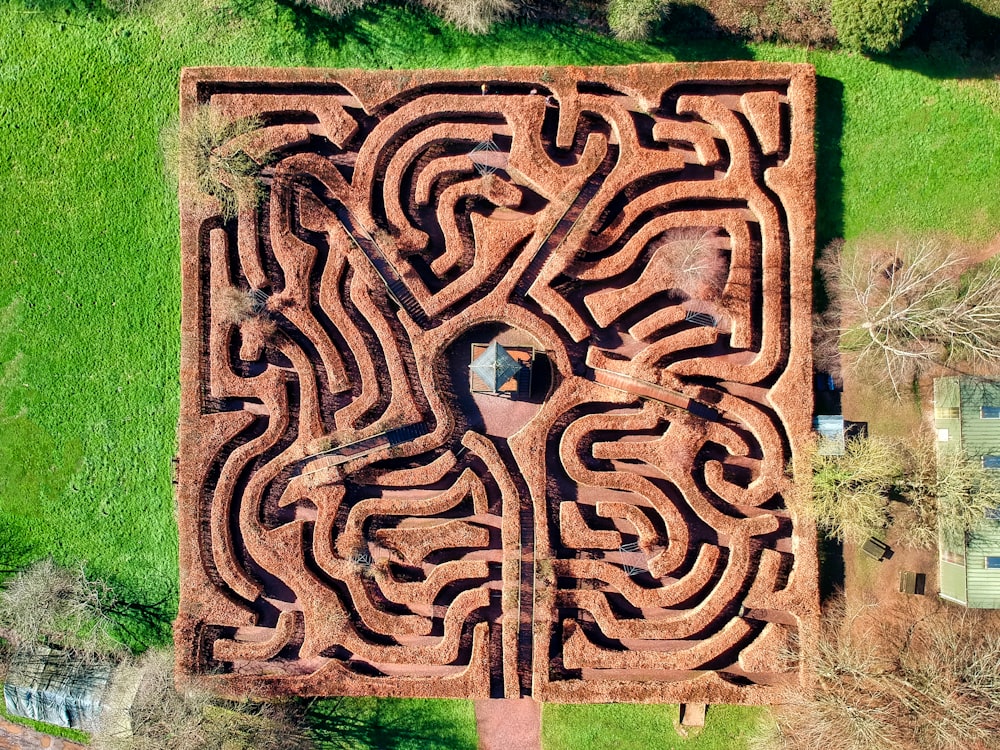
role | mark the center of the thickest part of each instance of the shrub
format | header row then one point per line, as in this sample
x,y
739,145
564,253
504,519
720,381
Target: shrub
x,y
796,21
876,26
474,16
335,8
892,676
164,719
62,607
635,20
850,493
209,165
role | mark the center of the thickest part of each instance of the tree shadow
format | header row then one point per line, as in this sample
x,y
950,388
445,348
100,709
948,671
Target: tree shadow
x,y
144,624
954,40
832,569
829,160
384,724
691,34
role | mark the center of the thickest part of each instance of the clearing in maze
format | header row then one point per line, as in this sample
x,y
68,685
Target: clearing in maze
x,y
496,382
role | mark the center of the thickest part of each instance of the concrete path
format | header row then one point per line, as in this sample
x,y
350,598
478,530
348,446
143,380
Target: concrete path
x,y
509,724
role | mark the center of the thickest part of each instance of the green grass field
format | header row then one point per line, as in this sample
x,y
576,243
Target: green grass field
x,y
393,724
636,727
89,286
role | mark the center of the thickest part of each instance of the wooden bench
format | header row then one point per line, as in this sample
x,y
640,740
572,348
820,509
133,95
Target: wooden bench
x,y
875,548
911,582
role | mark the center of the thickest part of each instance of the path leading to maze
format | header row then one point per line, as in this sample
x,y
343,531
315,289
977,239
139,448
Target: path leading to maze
x,y
643,238
511,724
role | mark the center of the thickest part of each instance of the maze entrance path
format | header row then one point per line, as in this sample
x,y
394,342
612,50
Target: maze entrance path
x,y
357,518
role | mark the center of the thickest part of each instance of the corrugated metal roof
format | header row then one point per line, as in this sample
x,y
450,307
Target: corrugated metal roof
x,y
983,584
953,582
959,419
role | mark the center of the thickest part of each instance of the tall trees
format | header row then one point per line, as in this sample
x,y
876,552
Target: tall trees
x,y
897,312
895,676
877,480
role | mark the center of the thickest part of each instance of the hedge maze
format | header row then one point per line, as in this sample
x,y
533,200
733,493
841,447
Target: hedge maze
x,y
361,514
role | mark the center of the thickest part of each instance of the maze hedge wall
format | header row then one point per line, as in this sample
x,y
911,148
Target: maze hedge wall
x,y
355,520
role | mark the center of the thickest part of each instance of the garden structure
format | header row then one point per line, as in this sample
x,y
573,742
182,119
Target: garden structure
x,y
362,513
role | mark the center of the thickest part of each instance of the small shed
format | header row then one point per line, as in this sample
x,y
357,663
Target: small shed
x,y
830,428
967,419
54,687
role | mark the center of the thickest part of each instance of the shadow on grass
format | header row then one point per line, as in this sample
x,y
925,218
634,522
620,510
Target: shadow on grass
x,y
829,161
394,30
955,39
387,724
143,624
691,34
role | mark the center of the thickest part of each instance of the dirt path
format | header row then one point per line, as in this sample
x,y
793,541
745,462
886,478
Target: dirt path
x,y
16,737
509,724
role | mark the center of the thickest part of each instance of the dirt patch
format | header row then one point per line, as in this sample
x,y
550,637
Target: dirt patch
x,y
617,527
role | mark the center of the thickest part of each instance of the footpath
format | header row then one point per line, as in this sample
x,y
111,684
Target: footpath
x,y
16,737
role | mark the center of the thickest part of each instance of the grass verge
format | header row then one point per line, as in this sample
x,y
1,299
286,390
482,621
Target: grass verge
x,y
73,735
393,724
623,726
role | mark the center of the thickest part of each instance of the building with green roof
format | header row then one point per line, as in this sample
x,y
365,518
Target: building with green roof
x,y
967,419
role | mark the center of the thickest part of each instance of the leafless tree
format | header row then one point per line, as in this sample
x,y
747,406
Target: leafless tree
x,y
163,718
849,494
210,162
693,261
48,603
895,676
946,496
898,312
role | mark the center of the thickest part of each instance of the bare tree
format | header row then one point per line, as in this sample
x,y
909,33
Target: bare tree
x,y
899,311
894,676
946,496
850,493
693,262
164,719
47,603
210,164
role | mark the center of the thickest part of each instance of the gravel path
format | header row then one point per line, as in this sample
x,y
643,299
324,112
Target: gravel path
x,y
509,724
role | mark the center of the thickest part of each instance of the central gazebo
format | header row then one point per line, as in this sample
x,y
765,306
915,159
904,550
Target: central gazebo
x,y
501,371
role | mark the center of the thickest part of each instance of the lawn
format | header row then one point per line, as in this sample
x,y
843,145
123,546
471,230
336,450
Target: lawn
x,y
637,727
393,724
89,288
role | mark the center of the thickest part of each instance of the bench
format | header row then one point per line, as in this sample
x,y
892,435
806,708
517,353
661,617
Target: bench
x,y
911,582
876,549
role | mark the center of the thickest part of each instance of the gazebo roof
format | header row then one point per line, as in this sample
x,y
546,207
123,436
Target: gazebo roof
x,y
495,367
